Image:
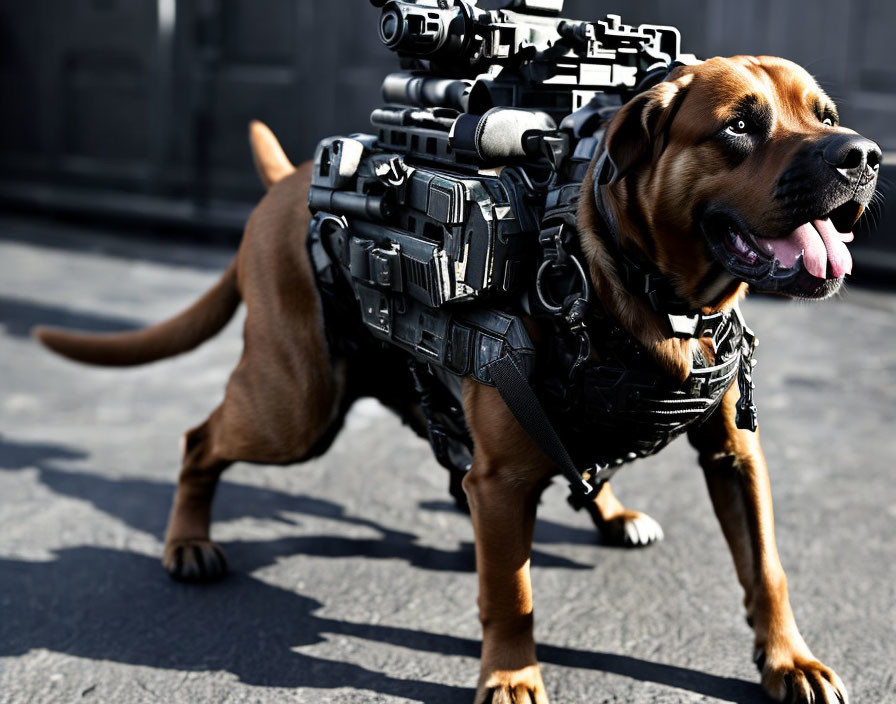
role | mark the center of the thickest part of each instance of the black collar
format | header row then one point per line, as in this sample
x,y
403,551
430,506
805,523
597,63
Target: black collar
x,y
642,278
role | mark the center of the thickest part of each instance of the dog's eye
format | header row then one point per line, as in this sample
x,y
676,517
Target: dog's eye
x,y
827,117
739,126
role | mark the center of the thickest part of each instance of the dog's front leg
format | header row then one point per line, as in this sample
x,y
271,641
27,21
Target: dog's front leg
x,y
503,488
738,482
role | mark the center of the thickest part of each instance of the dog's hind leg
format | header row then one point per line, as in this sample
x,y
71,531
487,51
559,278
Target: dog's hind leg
x,y
283,400
259,421
189,553
271,421
619,525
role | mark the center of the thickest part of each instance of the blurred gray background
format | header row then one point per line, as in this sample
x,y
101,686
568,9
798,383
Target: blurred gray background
x,y
140,107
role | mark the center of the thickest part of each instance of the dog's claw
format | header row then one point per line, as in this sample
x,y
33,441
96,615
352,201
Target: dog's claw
x,y
801,682
515,695
633,529
642,530
195,561
759,658
523,686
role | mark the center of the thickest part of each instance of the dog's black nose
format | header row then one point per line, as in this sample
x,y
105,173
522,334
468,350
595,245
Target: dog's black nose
x,y
853,156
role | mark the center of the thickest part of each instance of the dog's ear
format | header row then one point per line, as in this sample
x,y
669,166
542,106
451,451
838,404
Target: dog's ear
x,y
639,129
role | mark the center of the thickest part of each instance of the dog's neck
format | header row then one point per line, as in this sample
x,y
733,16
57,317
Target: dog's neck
x,y
634,312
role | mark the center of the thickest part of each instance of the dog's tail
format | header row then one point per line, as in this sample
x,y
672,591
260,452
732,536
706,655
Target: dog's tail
x,y
179,334
193,326
270,159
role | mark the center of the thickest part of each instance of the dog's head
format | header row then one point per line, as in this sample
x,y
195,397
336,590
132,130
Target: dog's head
x,y
737,170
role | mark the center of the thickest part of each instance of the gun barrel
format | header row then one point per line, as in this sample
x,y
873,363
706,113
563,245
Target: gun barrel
x,y
426,91
540,7
399,116
375,208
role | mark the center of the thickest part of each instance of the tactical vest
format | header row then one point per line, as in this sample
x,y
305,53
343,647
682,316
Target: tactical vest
x,y
601,393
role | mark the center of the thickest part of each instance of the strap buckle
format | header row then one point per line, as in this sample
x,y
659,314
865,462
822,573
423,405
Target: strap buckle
x,y
684,326
577,319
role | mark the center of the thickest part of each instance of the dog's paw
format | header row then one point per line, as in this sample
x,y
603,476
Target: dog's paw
x,y
513,687
632,529
800,681
194,561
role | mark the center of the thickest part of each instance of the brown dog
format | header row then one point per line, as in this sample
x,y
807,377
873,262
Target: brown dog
x,y
741,156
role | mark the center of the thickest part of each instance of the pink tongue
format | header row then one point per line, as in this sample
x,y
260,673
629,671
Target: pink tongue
x,y
820,244
838,253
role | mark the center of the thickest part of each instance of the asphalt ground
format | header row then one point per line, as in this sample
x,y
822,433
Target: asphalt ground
x,y
352,576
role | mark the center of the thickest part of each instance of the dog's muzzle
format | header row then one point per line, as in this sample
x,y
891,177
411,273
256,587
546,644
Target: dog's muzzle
x,y
827,189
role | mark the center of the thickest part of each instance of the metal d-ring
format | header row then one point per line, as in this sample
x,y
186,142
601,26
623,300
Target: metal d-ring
x,y
550,306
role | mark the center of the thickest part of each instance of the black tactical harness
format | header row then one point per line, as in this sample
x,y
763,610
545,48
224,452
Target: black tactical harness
x,y
596,399
590,395
599,386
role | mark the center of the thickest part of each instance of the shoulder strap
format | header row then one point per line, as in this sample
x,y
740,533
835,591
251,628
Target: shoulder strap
x,y
524,404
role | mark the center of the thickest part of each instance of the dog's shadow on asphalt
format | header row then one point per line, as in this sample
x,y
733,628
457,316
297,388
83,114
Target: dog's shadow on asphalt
x,y
143,504
108,604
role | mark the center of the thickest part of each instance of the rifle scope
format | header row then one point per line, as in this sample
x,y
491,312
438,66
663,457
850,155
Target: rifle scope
x,y
426,31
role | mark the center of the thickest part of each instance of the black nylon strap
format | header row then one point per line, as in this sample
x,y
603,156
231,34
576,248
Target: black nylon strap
x,y
524,404
642,278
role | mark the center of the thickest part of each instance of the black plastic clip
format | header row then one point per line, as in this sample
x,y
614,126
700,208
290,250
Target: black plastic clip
x,y
747,414
552,145
747,417
576,317
594,478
